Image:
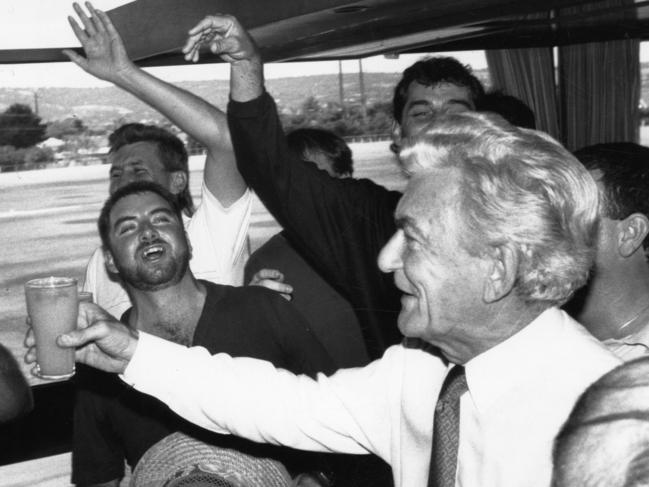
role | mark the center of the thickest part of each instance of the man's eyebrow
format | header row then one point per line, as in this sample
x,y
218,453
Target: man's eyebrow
x,y
155,211
409,223
416,103
131,162
162,209
461,101
123,219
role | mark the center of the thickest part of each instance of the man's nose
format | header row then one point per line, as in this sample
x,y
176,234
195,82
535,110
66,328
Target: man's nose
x,y
390,256
148,233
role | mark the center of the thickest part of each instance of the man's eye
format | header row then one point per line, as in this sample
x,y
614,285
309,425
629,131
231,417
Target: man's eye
x,y
162,219
115,174
124,229
420,114
411,242
456,108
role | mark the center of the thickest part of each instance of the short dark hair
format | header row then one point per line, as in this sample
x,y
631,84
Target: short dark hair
x,y
171,149
137,187
304,140
625,177
433,71
512,109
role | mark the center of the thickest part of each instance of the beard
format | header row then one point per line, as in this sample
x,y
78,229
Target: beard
x,y
155,277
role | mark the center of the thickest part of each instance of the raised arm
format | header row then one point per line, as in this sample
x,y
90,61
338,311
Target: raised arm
x,y
107,59
228,39
338,226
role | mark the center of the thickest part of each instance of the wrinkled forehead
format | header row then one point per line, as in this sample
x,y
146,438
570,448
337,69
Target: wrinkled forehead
x,y
431,194
143,153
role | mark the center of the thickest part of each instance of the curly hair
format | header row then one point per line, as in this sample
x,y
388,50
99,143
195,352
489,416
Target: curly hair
x,y
521,188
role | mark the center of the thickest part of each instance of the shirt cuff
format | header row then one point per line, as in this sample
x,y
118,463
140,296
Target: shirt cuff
x,y
150,362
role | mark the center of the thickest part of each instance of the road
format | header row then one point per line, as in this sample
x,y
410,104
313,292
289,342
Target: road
x,y
48,221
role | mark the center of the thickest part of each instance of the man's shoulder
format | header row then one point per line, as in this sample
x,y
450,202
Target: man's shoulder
x,y
227,295
276,252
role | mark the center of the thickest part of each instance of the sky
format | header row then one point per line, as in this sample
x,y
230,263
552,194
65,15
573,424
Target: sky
x,y
42,23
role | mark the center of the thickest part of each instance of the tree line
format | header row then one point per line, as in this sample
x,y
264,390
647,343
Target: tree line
x,y
22,130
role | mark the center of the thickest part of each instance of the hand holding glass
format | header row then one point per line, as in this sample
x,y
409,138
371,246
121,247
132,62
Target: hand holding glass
x,y
52,306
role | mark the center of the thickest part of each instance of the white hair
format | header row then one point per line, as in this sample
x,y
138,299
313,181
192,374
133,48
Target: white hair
x,y
522,188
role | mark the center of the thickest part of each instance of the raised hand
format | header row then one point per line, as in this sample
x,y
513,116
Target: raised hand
x,y
225,38
106,57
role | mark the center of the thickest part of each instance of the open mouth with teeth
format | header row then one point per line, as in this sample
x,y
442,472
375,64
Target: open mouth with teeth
x,y
153,252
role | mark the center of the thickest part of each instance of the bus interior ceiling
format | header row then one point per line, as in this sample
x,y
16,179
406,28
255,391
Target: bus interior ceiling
x,y
155,30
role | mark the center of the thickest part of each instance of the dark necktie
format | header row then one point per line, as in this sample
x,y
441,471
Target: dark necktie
x,y
446,430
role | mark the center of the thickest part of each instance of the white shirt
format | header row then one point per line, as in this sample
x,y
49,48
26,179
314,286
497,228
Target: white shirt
x,y
520,393
219,251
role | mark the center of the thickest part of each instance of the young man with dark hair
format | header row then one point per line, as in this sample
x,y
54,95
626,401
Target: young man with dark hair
x,y
339,225
218,227
144,242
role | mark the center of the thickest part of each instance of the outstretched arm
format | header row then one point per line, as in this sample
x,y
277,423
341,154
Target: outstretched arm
x,y
107,59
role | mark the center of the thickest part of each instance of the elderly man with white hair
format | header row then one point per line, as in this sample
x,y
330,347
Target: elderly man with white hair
x,y
495,231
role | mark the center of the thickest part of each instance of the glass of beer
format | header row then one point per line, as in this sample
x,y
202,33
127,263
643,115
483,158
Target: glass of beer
x,y
52,306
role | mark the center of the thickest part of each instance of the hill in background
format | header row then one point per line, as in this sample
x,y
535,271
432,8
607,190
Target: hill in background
x,y
99,107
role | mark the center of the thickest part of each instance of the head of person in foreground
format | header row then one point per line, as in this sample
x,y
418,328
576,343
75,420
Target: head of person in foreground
x,y
605,441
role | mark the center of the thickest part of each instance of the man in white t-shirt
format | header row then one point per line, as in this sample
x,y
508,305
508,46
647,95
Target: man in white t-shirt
x,y
218,226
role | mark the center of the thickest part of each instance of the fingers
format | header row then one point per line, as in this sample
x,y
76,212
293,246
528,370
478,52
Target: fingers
x,y
88,23
30,343
79,338
30,355
29,340
80,61
209,31
268,274
276,286
218,23
90,313
107,23
78,31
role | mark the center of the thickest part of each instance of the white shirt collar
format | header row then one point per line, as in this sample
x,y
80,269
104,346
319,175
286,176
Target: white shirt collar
x,y
490,374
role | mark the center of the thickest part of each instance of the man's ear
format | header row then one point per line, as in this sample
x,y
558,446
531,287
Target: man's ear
x,y
178,182
109,261
503,268
632,232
